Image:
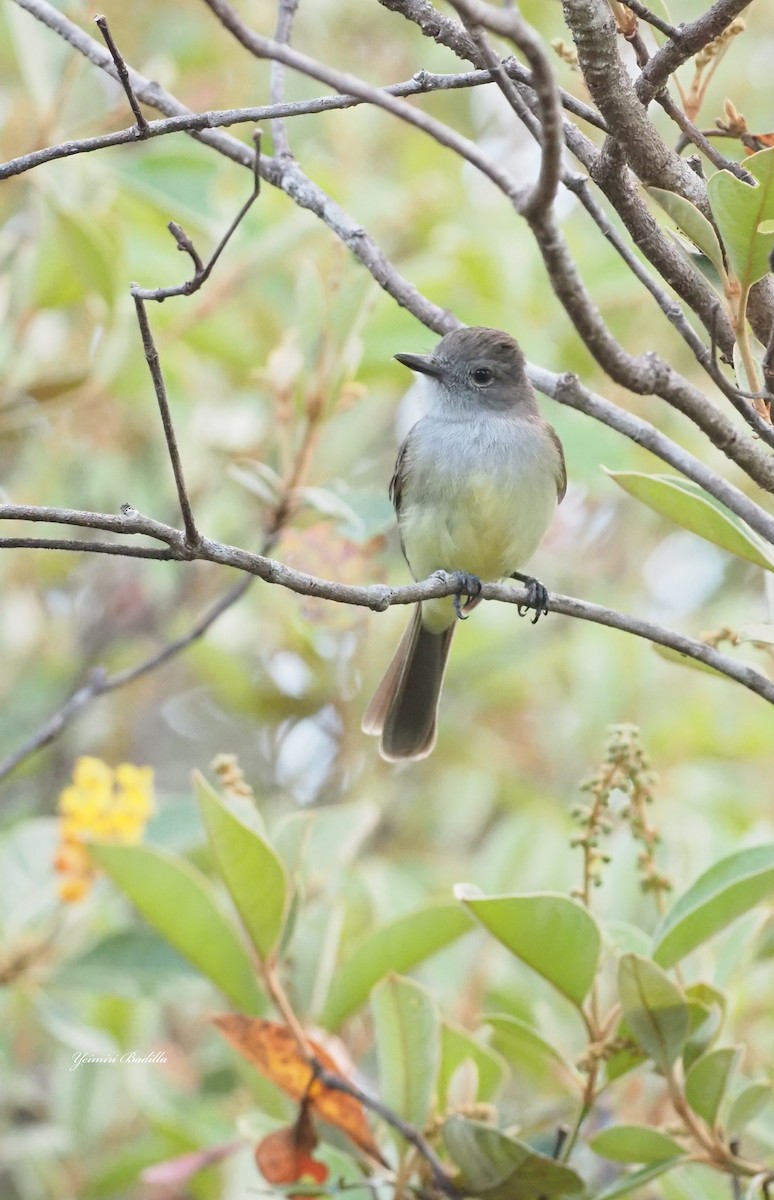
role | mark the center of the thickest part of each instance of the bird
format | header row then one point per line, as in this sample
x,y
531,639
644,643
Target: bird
x,y
475,487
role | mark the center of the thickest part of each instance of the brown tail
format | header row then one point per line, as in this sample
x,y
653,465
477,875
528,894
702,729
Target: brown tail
x,y
404,706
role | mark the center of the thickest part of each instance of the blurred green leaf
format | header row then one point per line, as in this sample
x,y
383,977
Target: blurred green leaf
x,y
398,946
718,897
675,499
740,210
499,1167
521,1044
459,1046
746,1106
252,872
706,1010
555,936
635,1144
708,1080
408,1047
636,1180
324,841
179,902
693,223
628,1057
129,962
654,1008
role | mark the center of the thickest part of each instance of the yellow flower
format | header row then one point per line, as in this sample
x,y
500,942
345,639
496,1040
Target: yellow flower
x,y
101,804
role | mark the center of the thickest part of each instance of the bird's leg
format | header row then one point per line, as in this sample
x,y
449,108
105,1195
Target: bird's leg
x,y
537,596
470,588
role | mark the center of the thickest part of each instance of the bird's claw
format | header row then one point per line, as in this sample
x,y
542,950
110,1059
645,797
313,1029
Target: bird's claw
x,y
537,597
470,589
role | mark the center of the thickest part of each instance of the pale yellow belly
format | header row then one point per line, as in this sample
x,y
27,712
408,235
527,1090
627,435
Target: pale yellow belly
x,y
485,526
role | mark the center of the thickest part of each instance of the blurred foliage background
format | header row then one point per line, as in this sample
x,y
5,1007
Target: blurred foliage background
x,y
288,322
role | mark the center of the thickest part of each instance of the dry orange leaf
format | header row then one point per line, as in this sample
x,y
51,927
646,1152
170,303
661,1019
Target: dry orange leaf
x,y
273,1049
285,1156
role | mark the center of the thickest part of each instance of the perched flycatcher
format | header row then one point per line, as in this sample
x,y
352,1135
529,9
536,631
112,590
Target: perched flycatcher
x,y
475,487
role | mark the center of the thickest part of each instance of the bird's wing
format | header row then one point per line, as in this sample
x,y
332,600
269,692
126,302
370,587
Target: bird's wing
x,y
561,475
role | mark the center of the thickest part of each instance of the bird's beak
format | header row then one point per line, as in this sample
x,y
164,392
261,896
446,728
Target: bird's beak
x,y
425,364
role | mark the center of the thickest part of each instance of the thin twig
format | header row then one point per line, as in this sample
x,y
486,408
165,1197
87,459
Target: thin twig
x,y
509,23
99,683
285,14
154,366
337,1083
123,74
567,389
645,14
694,135
202,271
84,547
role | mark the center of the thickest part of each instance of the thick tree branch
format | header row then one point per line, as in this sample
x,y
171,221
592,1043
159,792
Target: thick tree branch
x,y
636,374
594,32
690,39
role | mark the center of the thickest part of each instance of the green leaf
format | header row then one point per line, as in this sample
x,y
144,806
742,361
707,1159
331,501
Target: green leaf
x,y
408,1046
459,1046
729,888
706,1011
740,210
522,1045
179,902
635,1144
693,223
682,660
689,507
555,936
398,947
628,1058
707,1081
637,1179
249,867
129,962
750,1101
322,842
501,1168
655,1010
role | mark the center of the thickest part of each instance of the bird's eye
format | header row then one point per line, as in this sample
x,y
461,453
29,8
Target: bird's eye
x,y
483,376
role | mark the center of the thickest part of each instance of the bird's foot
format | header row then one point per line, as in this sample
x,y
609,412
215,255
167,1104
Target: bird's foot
x,y
470,590
537,597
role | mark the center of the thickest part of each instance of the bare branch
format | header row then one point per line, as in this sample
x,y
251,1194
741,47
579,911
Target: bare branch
x,y
99,683
202,271
154,366
285,15
645,14
509,23
123,74
567,389
379,597
694,135
594,33
690,39
80,546
423,82
337,1083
